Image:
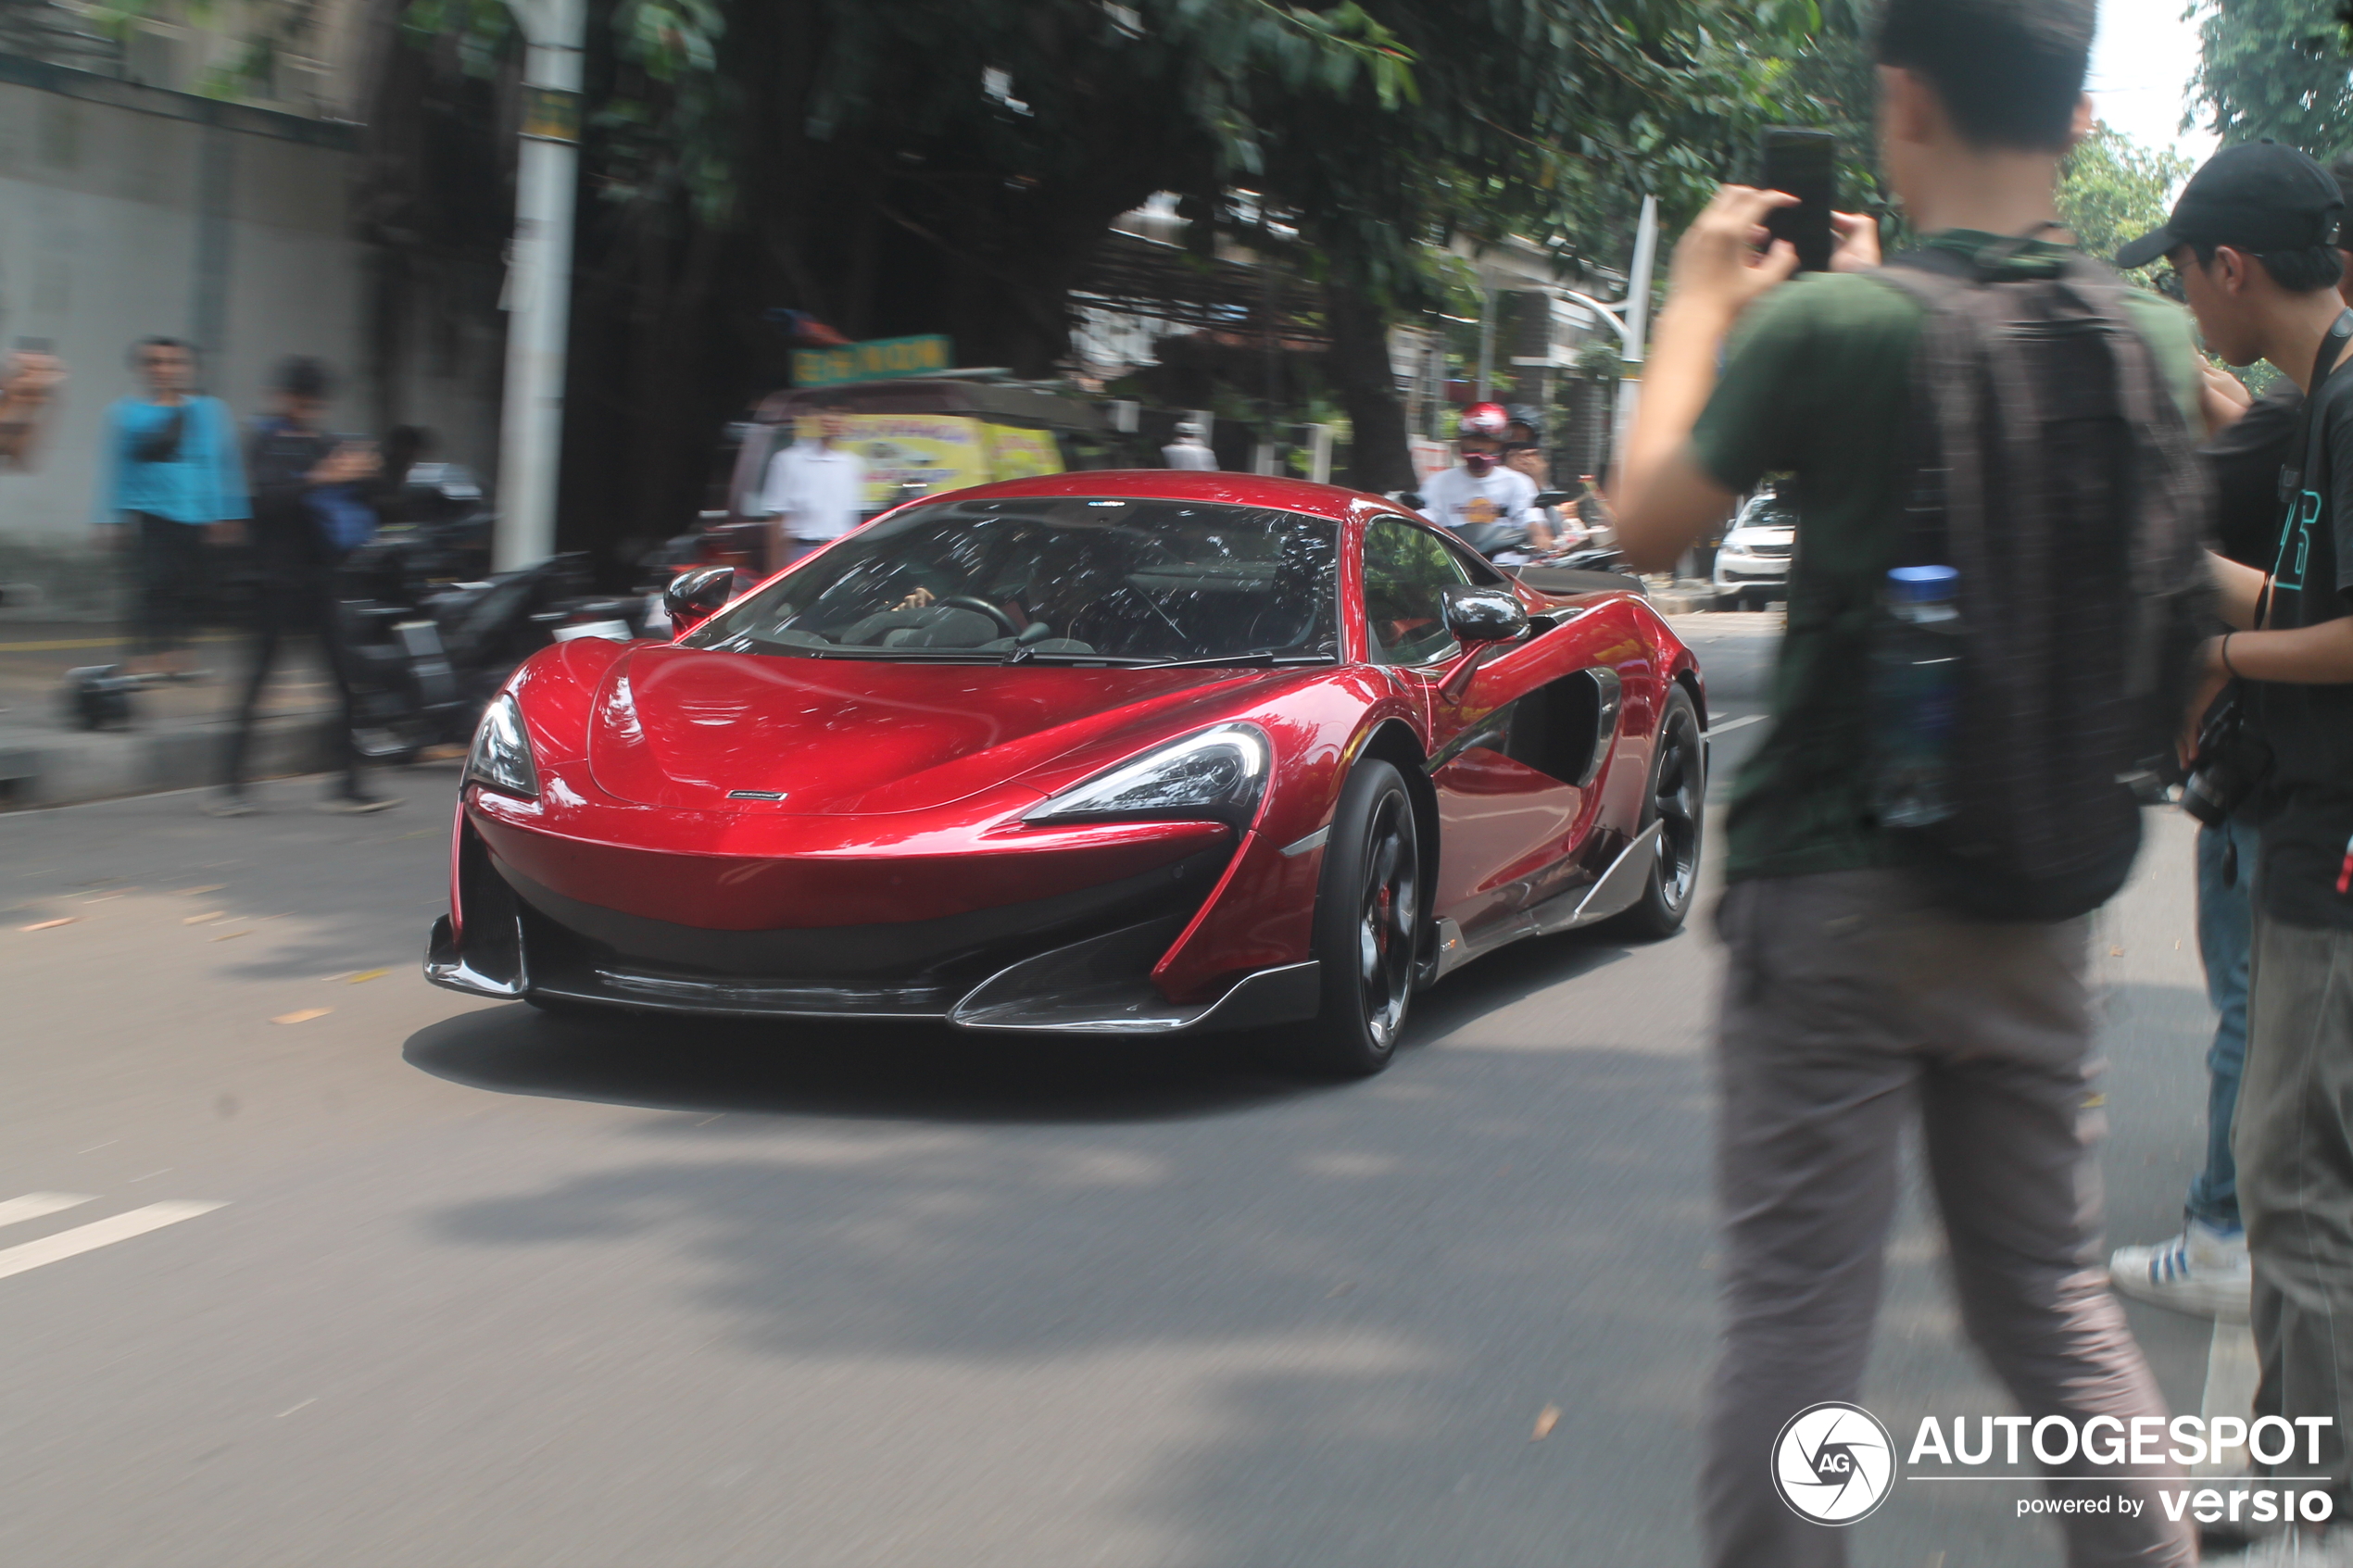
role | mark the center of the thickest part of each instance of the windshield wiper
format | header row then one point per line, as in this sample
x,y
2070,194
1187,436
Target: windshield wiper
x,y
1259,658
876,655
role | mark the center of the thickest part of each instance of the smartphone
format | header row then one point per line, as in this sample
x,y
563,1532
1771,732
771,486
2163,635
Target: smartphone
x,y
1805,164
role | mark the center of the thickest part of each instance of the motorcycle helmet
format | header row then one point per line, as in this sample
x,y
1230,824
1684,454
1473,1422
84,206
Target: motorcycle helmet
x,y
1485,419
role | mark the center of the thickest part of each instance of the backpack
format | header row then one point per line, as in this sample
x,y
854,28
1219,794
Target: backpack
x,y
2048,462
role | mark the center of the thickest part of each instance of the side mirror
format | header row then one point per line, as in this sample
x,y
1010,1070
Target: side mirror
x,y
1554,498
1408,498
1484,615
693,595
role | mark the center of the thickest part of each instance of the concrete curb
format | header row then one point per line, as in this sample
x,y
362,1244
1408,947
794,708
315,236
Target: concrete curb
x,y
65,767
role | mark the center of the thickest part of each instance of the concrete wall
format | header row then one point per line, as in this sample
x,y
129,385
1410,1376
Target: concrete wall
x,y
126,210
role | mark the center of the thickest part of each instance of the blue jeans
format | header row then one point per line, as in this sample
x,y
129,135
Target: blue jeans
x,y
2224,918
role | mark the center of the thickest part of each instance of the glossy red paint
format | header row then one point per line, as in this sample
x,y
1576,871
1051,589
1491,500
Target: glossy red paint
x,y
903,785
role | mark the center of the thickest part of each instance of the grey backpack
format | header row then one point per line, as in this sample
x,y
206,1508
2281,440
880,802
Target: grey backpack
x,y
2049,463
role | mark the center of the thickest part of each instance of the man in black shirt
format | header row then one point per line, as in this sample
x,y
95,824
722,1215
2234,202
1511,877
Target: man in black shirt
x,y
2253,238
306,487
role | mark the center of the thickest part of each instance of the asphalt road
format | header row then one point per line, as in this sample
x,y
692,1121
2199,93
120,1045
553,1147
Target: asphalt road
x,y
484,1287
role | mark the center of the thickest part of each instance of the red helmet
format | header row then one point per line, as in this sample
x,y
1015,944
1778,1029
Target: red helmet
x,y
1485,419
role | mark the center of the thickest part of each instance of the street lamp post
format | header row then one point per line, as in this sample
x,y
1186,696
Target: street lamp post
x,y
1630,318
539,281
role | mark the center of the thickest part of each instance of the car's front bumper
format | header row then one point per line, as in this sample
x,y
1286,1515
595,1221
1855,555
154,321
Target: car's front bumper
x,y
1073,959
1751,572
1097,985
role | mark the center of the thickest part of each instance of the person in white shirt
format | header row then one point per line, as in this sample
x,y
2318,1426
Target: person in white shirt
x,y
815,490
1190,449
1481,501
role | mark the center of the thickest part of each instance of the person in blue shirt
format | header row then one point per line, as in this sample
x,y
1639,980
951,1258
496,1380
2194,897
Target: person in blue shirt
x,y
170,483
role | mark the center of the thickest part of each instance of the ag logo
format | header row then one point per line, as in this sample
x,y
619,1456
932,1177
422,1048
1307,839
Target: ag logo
x,y
1834,1463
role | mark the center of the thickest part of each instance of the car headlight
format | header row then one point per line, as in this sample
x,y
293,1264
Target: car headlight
x,y
1218,774
502,754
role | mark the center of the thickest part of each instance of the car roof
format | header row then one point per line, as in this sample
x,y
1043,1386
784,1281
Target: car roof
x,y
1330,501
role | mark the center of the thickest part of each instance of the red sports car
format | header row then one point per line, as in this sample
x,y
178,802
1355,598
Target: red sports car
x,y
1105,753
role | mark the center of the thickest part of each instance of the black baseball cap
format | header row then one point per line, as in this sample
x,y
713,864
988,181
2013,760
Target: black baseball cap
x,y
2257,196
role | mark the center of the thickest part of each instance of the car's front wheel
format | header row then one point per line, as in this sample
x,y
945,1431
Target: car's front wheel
x,y
1677,802
1369,915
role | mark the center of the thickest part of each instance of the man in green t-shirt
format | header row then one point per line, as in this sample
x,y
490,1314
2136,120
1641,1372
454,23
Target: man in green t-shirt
x,y
1852,997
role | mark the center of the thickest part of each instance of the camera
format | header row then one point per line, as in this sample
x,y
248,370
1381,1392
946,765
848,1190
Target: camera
x,y
2232,762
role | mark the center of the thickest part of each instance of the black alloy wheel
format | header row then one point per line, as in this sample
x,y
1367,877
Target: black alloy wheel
x,y
1676,800
1370,913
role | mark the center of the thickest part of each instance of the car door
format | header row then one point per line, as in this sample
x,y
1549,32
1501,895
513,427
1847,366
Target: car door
x,y
1501,822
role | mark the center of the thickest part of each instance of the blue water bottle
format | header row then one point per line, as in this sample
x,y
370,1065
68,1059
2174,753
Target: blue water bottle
x,y
1916,690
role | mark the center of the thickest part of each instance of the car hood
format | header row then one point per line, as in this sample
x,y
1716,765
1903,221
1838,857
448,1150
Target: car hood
x,y
1745,537
689,727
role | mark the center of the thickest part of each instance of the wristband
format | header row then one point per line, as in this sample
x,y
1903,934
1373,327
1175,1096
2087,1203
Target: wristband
x,y
2227,668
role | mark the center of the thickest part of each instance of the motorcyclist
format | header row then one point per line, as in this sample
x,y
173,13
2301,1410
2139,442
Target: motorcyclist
x,y
1483,502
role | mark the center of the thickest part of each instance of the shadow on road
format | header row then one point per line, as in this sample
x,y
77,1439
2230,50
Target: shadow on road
x,y
1317,1334
928,1073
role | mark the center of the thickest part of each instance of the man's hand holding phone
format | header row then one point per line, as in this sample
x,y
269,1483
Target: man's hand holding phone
x,y
1727,260
1856,237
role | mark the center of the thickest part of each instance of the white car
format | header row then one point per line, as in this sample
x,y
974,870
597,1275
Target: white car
x,y
1751,565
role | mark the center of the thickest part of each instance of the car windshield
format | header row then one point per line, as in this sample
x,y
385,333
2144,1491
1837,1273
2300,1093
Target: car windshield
x,y
1055,579
1767,511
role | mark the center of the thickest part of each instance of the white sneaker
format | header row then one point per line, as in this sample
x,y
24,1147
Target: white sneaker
x,y
2202,1272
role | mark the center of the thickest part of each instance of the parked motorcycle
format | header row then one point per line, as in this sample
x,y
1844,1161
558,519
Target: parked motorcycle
x,y
425,655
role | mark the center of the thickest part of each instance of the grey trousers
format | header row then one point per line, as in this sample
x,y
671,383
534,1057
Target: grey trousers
x,y
2293,1140
1850,1006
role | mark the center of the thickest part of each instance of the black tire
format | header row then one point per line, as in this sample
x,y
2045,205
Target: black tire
x,y
1370,911
1676,794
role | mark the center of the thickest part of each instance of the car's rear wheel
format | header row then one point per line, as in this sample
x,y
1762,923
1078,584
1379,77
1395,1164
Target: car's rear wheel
x,y
1677,801
1369,915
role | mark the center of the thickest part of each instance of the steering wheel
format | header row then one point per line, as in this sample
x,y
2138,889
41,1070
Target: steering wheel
x,y
981,606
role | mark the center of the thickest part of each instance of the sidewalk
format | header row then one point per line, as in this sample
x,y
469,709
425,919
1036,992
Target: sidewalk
x,y
178,732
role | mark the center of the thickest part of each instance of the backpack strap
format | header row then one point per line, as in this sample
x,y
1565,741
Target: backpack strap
x,y
1944,470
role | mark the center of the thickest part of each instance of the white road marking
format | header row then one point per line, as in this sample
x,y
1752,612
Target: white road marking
x,y
99,1232
1724,725
33,1205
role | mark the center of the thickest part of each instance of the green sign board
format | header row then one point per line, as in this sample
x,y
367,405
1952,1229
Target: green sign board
x,y
879,358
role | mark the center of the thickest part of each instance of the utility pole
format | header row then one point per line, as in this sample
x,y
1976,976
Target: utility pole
x,y
539,281
1486,341
1638,317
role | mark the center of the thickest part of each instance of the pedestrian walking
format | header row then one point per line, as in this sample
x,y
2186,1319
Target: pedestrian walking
x,y
1898,945
170,483
2254,240
31,379
816,488
311,506
1190,449
1593,512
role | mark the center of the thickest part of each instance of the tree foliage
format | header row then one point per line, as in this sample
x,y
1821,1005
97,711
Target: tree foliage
x,y
2113,190
952,166
2277,68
